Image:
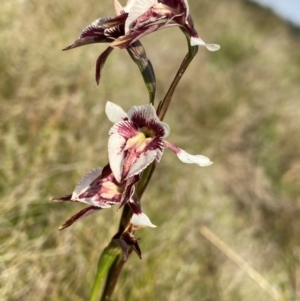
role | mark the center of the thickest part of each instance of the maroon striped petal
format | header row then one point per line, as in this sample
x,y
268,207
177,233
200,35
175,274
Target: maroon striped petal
x,y
145,117
79,215
100,63
119,134
129,190
99,188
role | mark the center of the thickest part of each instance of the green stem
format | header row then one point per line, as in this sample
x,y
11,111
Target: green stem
x,y
108,257
115,263
163,108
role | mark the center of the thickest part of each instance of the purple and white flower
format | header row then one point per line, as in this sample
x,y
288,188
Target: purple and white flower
x,y
137,139
146,16
134,21
99,189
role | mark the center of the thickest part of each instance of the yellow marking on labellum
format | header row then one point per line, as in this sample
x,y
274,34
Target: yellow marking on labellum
x,y
135,140
110,190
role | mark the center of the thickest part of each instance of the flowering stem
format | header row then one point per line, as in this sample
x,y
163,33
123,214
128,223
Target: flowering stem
x,y
163,108
114,264
106,260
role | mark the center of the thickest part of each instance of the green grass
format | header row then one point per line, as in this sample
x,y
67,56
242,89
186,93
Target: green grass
x,y
239,106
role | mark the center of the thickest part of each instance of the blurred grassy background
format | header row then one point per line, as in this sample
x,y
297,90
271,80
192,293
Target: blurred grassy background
x,y
239,106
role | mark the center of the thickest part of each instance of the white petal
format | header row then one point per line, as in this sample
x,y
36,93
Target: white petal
x,y
147,112
136,9
197,41
166,129
118,7
116,144
85,182
142,162
193,159
114,112
141,220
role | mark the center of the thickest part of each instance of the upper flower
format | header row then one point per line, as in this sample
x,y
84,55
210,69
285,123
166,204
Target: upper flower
x,y
146,16
137,139
99,189
137,19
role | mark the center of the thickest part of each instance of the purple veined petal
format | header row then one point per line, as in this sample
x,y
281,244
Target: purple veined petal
x,y
79,215
129,190
181,6
199,42
119,134
141,162
114,112
126,40
145,113
136,9
188,158
124,128
100,63
146,116
94,33
186,6
85,182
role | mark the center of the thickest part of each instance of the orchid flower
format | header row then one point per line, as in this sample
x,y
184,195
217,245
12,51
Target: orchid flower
x,y
107,30
137,19
147,16
137,139
99,189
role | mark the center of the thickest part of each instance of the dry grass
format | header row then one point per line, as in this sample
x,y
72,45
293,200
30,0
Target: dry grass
x,y
239,106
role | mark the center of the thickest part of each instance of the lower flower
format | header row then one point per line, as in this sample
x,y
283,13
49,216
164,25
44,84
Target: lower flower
x,y
99,189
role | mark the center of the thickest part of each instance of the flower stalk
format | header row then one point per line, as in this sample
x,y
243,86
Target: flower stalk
x,y
117,264
137,138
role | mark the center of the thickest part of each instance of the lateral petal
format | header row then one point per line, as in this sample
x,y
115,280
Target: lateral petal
x,y
85,182
114,112
197,41
137,8
79,215
141,220
188,158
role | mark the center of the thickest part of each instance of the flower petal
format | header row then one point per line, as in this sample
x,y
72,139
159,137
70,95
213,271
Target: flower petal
x,y
197,41
129,190
79,215
116,144
119,134
136,9
84,183
64,198
146,116
143,114
141,220
98,188
100,63
188,158
118,8
144,159
114,112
